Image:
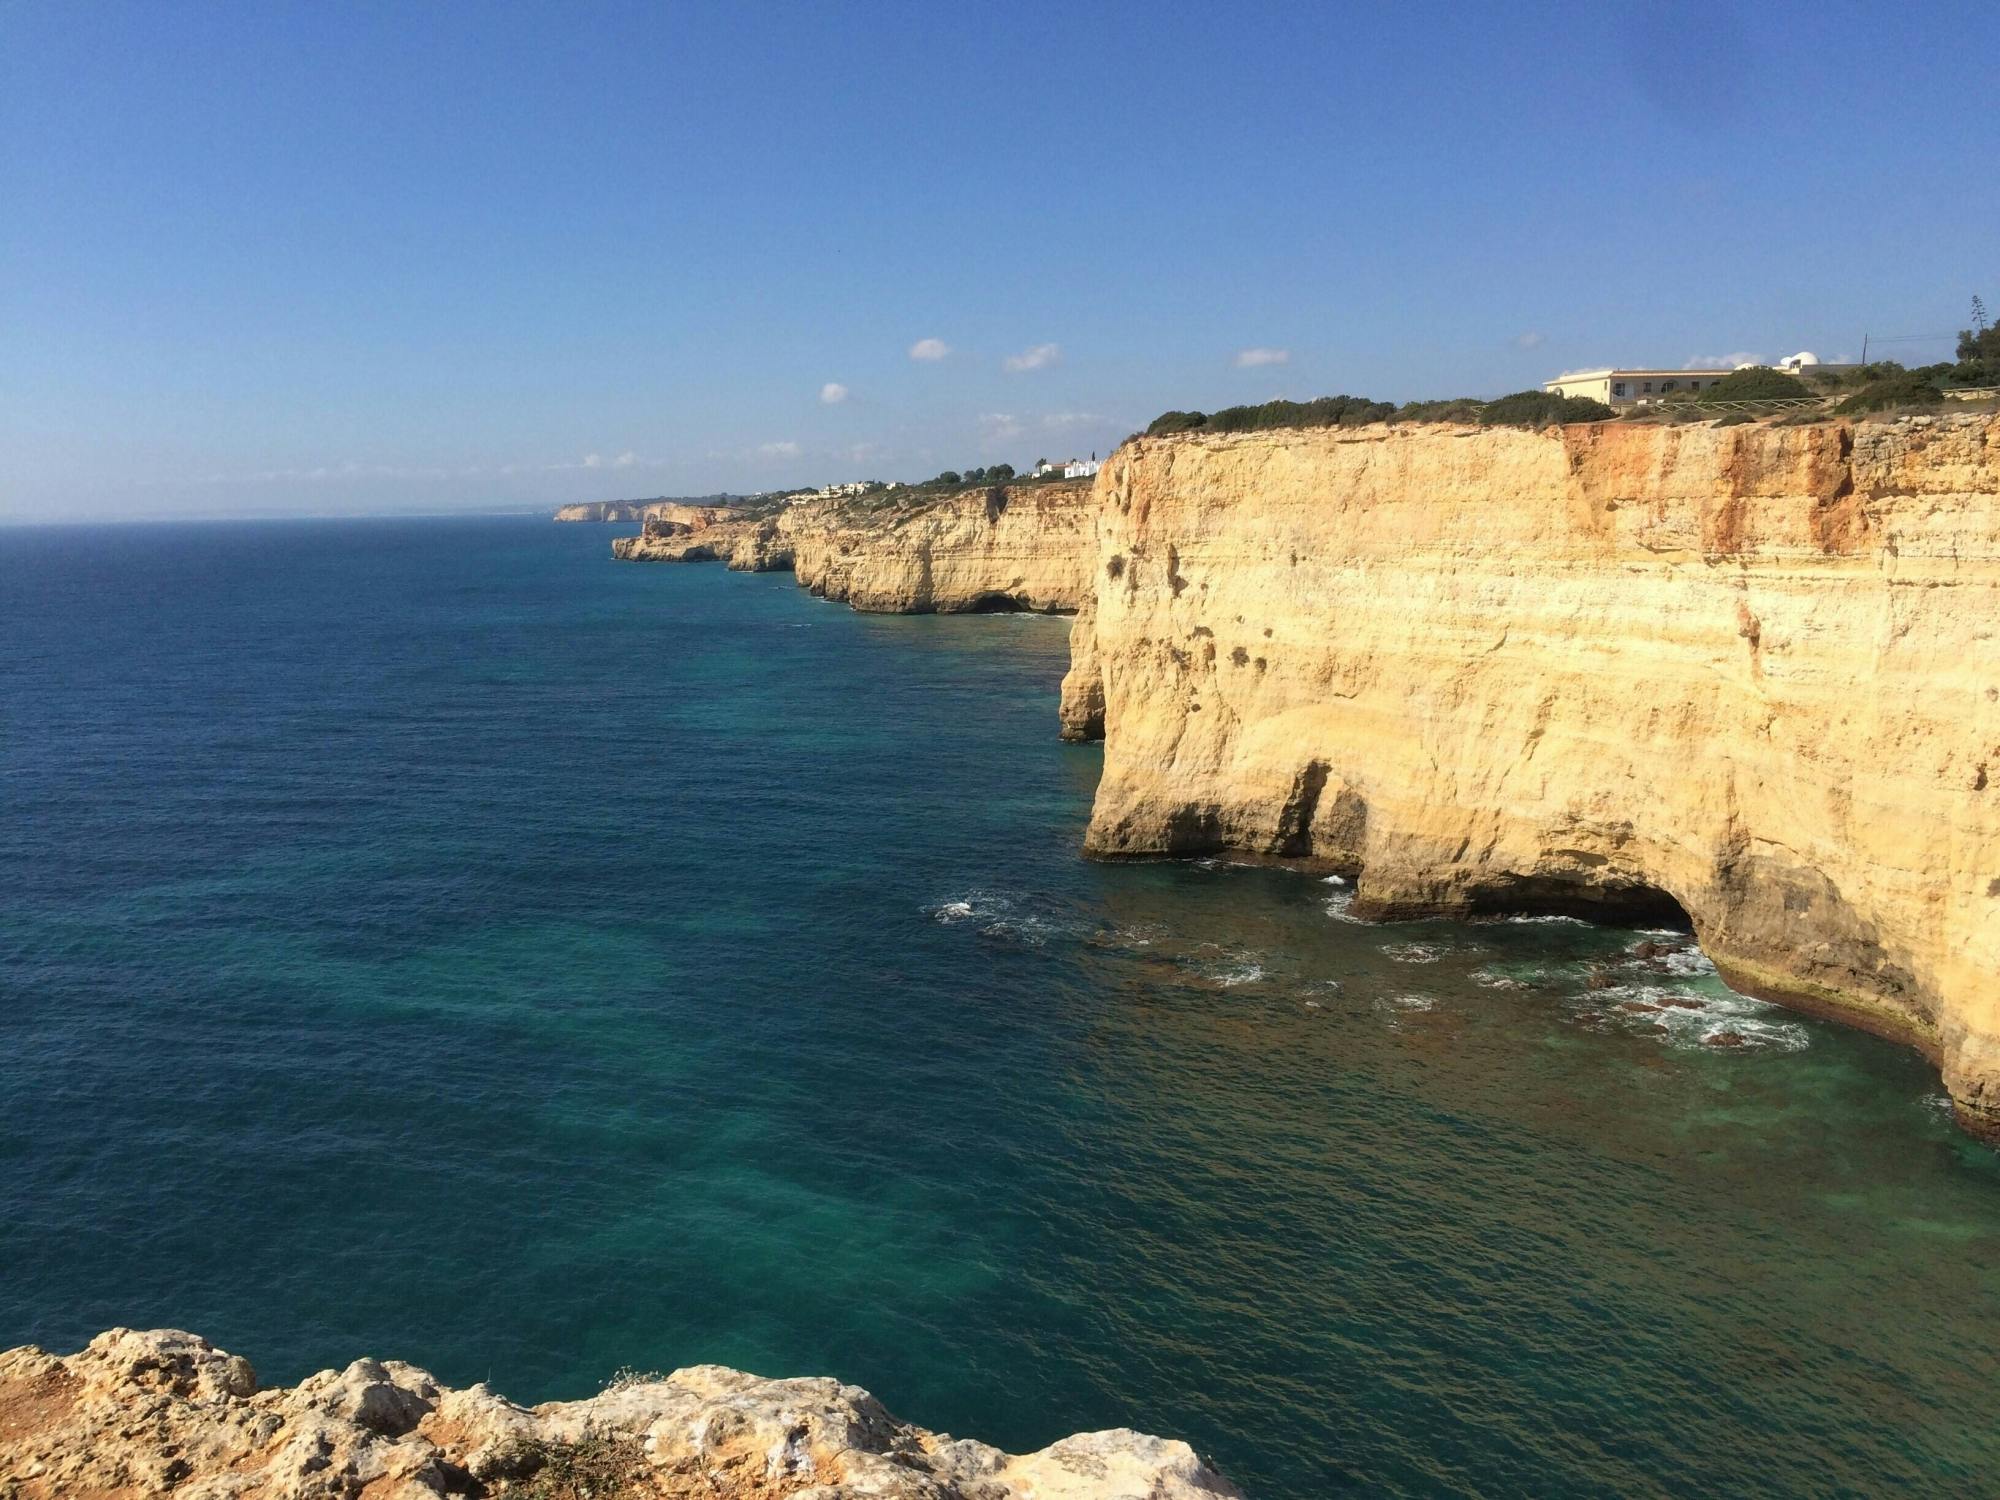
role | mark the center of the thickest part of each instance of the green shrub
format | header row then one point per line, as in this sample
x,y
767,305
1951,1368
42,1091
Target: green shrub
x,y
598,1465
1326,411
1457,409
1907,388
1755,383
1542,409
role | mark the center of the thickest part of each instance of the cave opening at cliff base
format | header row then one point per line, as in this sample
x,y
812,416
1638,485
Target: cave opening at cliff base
x,y
1623,903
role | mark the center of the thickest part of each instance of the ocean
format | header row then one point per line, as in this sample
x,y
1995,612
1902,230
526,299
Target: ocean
x,y
431,939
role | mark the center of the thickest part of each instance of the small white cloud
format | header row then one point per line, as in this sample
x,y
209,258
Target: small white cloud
x,y
929,350
1530,340
1037,358
1724,361
1000,426
625,460
833,393
786,449
1250,359
593,460
1057,421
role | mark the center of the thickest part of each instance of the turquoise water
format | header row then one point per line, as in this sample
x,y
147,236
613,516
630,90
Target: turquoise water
x,y
431,939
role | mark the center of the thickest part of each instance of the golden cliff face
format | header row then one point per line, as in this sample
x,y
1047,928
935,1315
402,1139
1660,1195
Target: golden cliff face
x,y
1022,546
1750,669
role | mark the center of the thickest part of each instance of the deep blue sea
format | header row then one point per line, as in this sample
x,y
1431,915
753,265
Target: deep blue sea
x,y
432,939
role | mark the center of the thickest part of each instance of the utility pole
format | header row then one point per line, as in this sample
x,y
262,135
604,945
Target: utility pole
x,y
1864,348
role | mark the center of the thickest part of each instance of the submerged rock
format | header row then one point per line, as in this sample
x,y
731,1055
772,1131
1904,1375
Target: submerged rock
x,y
166,1412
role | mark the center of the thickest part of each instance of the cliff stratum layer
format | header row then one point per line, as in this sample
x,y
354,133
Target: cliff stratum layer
x,y
1024,546
1750,671
164,1412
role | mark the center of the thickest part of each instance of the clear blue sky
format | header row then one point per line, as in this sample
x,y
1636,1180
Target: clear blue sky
x,y
340,257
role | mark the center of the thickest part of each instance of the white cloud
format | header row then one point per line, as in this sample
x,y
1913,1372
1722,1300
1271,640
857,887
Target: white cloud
x,y
593,460
625,460
1000,426
1725,361
786,449
1058,421
1530,340
929,350
833,393
1037,358
1250,359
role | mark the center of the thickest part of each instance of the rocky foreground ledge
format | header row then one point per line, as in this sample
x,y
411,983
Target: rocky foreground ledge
x,y
167,1413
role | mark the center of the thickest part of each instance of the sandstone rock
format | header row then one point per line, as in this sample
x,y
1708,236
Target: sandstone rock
x,y
1022,546
167,1413
1745,671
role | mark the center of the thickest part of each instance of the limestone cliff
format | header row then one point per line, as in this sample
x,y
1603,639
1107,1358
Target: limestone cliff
x,y
601,510
691,514
167,1413
752,545
1749,671
1021,546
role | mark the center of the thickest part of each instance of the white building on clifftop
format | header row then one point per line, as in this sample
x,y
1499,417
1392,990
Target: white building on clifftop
x,y
1620,387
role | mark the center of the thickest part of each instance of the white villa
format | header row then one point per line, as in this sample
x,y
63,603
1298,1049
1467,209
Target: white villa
x,y
1069,468
1623,387
1632,387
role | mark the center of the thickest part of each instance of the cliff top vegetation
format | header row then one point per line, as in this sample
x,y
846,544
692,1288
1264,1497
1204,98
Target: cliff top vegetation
x,y
1523,408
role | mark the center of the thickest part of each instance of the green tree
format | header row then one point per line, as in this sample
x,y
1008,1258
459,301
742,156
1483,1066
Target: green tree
x,y
999,473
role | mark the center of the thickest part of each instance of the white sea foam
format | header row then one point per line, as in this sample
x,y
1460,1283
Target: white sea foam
x,y
1687,962
1246,972
1413,953
1394,1006
1340,905
1493,980
1705,1020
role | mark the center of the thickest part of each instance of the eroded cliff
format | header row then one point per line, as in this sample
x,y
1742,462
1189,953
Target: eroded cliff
x,y
167,1413
1021,546
1748,671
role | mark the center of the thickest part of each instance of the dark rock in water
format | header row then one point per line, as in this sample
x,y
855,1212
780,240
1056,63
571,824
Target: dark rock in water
x,y
1639,1006
1726,1039
1678,1003
1598,980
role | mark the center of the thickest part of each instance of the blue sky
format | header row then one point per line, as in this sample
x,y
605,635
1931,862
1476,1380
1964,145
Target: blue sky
x,y
269,259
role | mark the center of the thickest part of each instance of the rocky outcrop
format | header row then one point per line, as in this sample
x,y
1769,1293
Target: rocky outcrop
x,y
1008,547
693,515
1004,547
686,533
165,1412
602,510
1746,672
